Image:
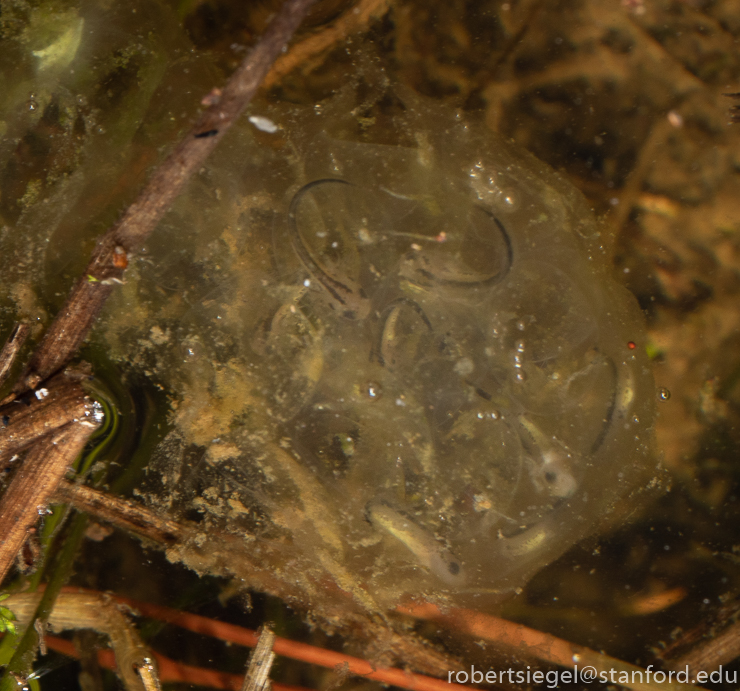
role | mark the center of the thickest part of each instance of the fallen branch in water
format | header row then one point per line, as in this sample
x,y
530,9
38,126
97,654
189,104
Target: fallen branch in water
x,y
544,646
284,647
110,258
170,670
99,612
124,514
35,414
48,461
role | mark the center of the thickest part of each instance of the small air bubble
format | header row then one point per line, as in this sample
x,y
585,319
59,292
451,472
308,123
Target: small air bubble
x,y
263,124
191,350
663,394
373,390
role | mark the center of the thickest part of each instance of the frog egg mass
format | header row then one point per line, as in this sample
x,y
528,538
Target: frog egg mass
x,y
411,363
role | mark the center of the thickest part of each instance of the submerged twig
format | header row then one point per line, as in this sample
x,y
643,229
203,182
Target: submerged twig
x,y
120,512
57,570
545,647
110,257
712,654
169,670
34,415
31,488
260,663
291,649
12,347
351,22
86,610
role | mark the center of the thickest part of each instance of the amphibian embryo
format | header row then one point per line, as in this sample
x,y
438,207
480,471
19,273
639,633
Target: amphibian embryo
x,y
419,358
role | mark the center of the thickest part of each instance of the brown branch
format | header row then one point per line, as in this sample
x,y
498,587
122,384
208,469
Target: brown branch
x,y
356,19
110,257
712,654
12,347
33,485
37,413
530,642
87,610
121,513
257,677
285,647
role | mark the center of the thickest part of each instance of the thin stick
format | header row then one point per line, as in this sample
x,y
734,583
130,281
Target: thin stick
x,y
356,19
170,670
33,485
257,677
110,257
12,347
291,649
543,646
120,512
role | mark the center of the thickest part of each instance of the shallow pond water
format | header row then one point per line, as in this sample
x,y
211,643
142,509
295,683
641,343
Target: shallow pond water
x,y
391,343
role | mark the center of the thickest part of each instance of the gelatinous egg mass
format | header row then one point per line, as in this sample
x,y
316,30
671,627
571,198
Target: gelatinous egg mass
x,y
412,361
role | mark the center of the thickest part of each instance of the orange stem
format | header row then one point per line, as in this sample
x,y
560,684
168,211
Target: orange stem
x,y
169,670
287,648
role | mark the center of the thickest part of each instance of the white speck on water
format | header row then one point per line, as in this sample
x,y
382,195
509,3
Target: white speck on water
x,y
263,124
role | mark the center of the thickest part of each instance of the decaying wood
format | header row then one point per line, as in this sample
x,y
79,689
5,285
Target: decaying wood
x,y
85,610
110,257
305,53
12,347
260,663
523,640
709,646
712,654
120,512
34,483
39,412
